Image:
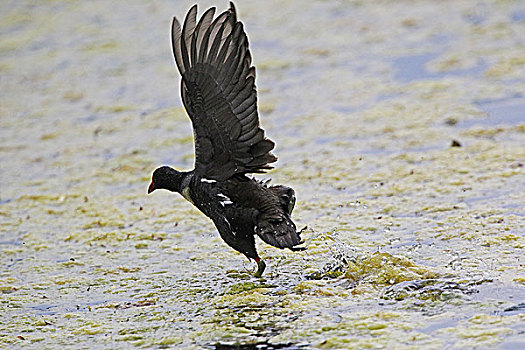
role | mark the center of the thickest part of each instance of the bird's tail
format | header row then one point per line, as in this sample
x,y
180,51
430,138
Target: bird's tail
x,y
281,234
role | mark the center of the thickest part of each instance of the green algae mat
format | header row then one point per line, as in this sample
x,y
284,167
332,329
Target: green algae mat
x,y
400,124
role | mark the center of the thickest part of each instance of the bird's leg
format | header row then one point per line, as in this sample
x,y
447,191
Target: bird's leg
x,y
261,265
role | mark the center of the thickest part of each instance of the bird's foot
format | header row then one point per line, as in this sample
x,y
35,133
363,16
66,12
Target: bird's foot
x,y
261,265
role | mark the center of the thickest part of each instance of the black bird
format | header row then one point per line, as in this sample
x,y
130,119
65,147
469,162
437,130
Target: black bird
x,y
219,94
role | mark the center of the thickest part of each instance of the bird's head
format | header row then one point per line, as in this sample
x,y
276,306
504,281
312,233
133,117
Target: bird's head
x,y
165,178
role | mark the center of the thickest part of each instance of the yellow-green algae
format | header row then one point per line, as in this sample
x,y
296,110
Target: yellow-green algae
x,y
412,243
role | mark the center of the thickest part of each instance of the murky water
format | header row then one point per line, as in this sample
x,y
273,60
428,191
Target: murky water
x,y
412,242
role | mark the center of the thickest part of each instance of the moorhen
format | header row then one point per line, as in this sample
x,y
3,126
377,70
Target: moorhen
x,y
218,92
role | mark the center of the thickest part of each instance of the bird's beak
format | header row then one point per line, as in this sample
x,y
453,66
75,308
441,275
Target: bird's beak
x,y
151,187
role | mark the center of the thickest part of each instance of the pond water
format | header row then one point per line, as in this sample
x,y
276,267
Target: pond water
x,y
399,124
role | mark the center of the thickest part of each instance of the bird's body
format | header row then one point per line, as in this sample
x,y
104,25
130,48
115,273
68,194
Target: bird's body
x,y
219,94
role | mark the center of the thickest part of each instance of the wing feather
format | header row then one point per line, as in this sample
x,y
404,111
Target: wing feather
x,y
176,34
187,32
203,26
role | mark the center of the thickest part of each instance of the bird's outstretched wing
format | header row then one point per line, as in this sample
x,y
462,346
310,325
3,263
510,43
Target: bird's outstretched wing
x,y
219,94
